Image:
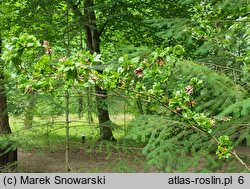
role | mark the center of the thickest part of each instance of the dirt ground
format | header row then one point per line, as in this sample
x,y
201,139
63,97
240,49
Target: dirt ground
x,y
82,161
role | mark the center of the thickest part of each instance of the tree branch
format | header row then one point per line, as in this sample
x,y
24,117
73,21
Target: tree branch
x,y
77,12
245,15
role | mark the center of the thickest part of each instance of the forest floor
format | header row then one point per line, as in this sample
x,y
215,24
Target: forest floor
x,y
80,161
42,150
90,162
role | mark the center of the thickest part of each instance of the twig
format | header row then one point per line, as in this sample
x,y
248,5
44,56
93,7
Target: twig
x,y
240,160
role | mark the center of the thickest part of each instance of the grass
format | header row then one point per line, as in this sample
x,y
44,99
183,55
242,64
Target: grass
x,y
50,131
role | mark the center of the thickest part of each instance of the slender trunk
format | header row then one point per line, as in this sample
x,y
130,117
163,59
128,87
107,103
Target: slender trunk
x,y
68,169
31,102
7,155
80,106
89,106
80,98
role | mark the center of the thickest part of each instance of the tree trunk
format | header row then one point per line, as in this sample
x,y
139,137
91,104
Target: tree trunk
x,y
88,21
7,155
103,115
68,169
8,158
93,44
4,118
80,106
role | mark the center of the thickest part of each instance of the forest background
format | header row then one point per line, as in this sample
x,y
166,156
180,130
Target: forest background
x,y
124,86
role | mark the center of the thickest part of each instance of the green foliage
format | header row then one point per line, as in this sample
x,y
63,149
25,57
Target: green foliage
x,y
246,76
237,128
183,102
136,75
218,91
15,48
224,147
165,139
240,108
211,31
8,143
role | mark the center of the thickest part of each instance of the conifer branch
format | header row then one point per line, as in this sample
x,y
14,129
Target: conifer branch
x,y
200,130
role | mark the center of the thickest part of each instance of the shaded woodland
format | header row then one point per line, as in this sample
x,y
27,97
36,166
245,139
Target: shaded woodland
x,y
124,86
